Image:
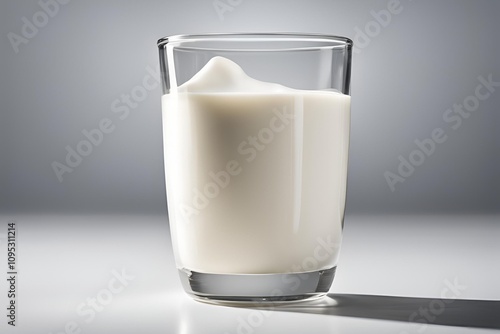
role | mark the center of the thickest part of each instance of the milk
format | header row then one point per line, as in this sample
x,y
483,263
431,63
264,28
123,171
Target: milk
x,y
255,173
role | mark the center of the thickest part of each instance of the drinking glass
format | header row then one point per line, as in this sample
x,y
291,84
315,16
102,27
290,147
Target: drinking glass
x,y
256,134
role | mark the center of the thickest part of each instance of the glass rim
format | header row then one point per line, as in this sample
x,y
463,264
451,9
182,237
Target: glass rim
x,y
329,41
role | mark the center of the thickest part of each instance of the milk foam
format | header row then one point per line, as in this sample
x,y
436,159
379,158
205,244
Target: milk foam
x,y
221,75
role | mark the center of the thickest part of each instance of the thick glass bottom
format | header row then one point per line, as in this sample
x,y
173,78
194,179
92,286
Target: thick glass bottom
x,y
256,289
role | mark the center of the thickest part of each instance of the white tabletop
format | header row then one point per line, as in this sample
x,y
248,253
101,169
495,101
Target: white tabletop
x,y
116,274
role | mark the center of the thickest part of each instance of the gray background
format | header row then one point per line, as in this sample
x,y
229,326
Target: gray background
x,y
64,80
393,262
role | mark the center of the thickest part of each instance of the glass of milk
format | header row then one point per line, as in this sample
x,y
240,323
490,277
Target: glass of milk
x,y
256,136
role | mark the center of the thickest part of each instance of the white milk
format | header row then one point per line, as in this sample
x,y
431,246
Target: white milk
x,y
255,173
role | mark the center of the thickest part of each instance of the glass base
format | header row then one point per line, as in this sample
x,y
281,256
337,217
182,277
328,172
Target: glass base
x,y
256,289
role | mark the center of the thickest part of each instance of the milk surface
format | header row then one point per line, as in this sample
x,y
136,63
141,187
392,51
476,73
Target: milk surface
x,y
255,173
